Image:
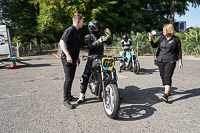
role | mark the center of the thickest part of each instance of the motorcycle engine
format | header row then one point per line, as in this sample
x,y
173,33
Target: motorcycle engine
x,y
94,88
126,64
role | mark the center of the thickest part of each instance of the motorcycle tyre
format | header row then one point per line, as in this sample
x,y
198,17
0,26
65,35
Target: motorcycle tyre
x,y
120,68
112,114
136,68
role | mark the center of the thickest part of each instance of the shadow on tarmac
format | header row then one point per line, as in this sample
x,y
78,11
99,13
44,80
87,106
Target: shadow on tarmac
x,y
89,101
144,71
187,94
21,64
33,65
137,104
92,100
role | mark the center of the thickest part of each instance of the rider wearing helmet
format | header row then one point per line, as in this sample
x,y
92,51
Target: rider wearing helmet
x,y
95,43
126,43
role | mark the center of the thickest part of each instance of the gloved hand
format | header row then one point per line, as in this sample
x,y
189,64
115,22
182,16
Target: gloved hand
x,y
103,38
100,40
126,47
108,33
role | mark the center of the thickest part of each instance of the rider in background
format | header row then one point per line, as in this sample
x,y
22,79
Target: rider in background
x,y
95,43
126,44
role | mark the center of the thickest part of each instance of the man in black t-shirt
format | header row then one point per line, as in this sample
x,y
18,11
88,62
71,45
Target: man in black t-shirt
x,y
70,45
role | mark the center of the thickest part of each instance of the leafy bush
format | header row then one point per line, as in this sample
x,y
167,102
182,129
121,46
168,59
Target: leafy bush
x,y
190,42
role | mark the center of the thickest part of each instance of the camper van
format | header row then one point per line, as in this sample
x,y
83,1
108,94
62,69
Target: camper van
x,y
5,43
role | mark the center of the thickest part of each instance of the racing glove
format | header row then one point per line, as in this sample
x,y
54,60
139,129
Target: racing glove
x,y
108,33
100,40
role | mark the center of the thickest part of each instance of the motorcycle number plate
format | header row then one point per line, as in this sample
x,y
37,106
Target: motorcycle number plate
x,y
133,53
108,63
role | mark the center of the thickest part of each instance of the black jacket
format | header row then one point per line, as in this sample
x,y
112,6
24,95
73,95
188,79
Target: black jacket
x,y
95,49
175,52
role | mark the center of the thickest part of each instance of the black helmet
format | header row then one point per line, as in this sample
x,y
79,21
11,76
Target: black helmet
x,y
125,37
93,24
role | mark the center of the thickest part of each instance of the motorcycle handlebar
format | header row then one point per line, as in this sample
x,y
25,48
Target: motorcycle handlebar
x,y
98,57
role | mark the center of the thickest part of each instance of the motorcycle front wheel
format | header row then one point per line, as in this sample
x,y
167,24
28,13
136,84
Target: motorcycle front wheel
x,y
136,68
111,101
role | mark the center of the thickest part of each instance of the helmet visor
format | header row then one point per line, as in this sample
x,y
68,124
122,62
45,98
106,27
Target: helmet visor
x,y
95,29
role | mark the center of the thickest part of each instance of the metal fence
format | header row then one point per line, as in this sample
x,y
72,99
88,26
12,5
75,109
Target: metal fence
x,y
15,49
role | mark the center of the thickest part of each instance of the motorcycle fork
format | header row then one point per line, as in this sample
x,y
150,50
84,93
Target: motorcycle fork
x,y
124,60
99,91
104,82
132,62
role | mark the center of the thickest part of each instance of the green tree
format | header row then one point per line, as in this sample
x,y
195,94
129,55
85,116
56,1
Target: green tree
x,y
180,7
126,15
56,15
154,15
21,17
43,21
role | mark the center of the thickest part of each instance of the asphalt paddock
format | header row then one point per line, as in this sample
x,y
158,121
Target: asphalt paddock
x,y
31,100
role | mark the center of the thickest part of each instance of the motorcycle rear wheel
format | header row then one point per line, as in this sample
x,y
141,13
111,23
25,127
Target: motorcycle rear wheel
x,y
111,101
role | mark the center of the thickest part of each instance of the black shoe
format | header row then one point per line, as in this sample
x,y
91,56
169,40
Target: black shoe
x,y
68,105
71,98
164,98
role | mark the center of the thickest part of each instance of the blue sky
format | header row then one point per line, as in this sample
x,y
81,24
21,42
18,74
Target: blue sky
x,y
192,17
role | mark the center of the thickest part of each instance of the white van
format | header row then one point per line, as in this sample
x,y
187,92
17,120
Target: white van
x,y
5,43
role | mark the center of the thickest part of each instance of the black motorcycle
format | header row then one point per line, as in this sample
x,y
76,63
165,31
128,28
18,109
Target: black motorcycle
x,y
103,83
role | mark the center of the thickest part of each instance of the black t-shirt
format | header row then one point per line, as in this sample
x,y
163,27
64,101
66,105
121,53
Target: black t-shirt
x,y
72,39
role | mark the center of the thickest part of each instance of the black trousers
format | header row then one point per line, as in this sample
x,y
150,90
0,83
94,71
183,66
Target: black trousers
x,y
86,75
69,70
166,71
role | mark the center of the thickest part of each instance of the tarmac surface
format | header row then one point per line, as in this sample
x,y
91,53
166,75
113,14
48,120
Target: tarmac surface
x,y
31,100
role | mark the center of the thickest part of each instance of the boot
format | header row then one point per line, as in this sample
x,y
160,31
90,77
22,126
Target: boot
x,y
81,98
